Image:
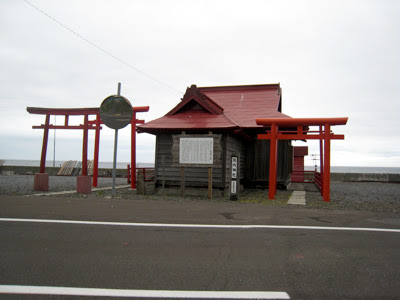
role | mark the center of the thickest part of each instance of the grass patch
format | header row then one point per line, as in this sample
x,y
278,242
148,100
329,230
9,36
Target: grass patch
x,y
261,197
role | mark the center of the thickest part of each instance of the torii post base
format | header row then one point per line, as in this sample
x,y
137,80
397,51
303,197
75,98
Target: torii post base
x,y
84,184
41,182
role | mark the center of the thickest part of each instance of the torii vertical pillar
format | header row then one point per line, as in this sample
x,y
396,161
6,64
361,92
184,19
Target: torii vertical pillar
x,y
301,134
321,158
84,182
41,179
96,151
133,152
326,182
273,158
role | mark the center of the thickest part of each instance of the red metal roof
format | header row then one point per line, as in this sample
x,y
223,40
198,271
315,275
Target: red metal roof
x,y
221,108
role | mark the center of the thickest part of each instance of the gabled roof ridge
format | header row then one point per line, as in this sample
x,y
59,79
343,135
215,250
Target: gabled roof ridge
x,y
240,87
193,93
212,101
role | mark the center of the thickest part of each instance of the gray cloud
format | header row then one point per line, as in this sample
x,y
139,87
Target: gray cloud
x,y
332,58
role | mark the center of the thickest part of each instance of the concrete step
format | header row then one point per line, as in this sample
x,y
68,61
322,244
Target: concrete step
x,y
298,198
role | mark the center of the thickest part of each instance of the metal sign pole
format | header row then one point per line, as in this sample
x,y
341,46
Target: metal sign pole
x,y
116,112
114,172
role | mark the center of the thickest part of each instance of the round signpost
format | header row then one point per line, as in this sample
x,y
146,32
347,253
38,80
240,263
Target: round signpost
x,y
116,112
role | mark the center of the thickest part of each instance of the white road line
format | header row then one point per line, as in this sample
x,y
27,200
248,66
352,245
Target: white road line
x,y
216,226
74,191
74,291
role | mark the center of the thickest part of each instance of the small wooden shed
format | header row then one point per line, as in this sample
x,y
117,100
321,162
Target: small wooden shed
x,y
223,118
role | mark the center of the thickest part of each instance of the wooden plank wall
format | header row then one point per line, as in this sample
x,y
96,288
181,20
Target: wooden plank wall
x,y
194,176
258,161
234,144
254,161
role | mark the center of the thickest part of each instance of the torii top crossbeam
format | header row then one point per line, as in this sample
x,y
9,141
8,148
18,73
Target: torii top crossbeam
x,y
87,125
301,132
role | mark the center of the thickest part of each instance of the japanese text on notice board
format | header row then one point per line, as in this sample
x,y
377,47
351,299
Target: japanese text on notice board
x,y
196,150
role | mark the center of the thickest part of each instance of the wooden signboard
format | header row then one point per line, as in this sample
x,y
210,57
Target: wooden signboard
x,y
196,150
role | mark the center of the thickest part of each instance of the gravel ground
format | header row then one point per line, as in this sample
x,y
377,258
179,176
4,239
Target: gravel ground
x,y
367,196
371,196
23,184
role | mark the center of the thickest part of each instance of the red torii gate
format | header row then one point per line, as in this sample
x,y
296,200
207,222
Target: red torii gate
x,y
41,180
324,135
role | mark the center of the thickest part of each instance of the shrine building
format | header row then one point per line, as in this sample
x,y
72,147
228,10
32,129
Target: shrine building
x,y
224,116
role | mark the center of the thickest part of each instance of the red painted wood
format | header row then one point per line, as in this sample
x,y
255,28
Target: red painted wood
x,y
283,136
133,152
44,145
63,111
96,151
321,157
85,147
88,125
272,162
240,105
326,182
323,134
301,121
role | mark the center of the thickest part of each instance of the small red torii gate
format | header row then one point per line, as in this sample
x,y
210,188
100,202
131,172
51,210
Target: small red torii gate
x,y
41,180
324,135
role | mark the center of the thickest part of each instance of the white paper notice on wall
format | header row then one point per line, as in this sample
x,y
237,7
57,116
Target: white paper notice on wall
x,y
196,150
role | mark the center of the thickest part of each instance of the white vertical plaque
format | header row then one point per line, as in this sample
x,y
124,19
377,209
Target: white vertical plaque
x,y
233,187
234,167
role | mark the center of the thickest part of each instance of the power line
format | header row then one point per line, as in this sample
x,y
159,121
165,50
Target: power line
x,y
104,51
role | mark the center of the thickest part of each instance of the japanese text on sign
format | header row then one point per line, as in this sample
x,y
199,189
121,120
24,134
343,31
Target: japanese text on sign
x,y
196,150
234,167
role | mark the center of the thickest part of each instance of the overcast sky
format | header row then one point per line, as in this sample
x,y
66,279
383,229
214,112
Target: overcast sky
x,y
332,59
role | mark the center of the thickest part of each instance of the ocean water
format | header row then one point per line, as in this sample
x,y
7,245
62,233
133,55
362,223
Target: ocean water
x,y
123,165
57,163
349,169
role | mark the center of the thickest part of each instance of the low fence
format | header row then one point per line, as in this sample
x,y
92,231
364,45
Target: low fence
x,y
318,180
303,176
148,174
313,176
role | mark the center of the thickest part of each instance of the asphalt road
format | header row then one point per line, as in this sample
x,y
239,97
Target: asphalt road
x,y
305,263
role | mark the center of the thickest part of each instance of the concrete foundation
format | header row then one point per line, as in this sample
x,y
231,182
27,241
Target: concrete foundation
x,y
84,184
41,182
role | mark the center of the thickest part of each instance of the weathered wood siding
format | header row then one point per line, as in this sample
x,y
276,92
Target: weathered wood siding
x,y
258,161
254,161
234,145
195,176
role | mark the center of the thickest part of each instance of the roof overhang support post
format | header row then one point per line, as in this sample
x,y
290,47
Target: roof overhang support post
x,y
272,162
326,182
